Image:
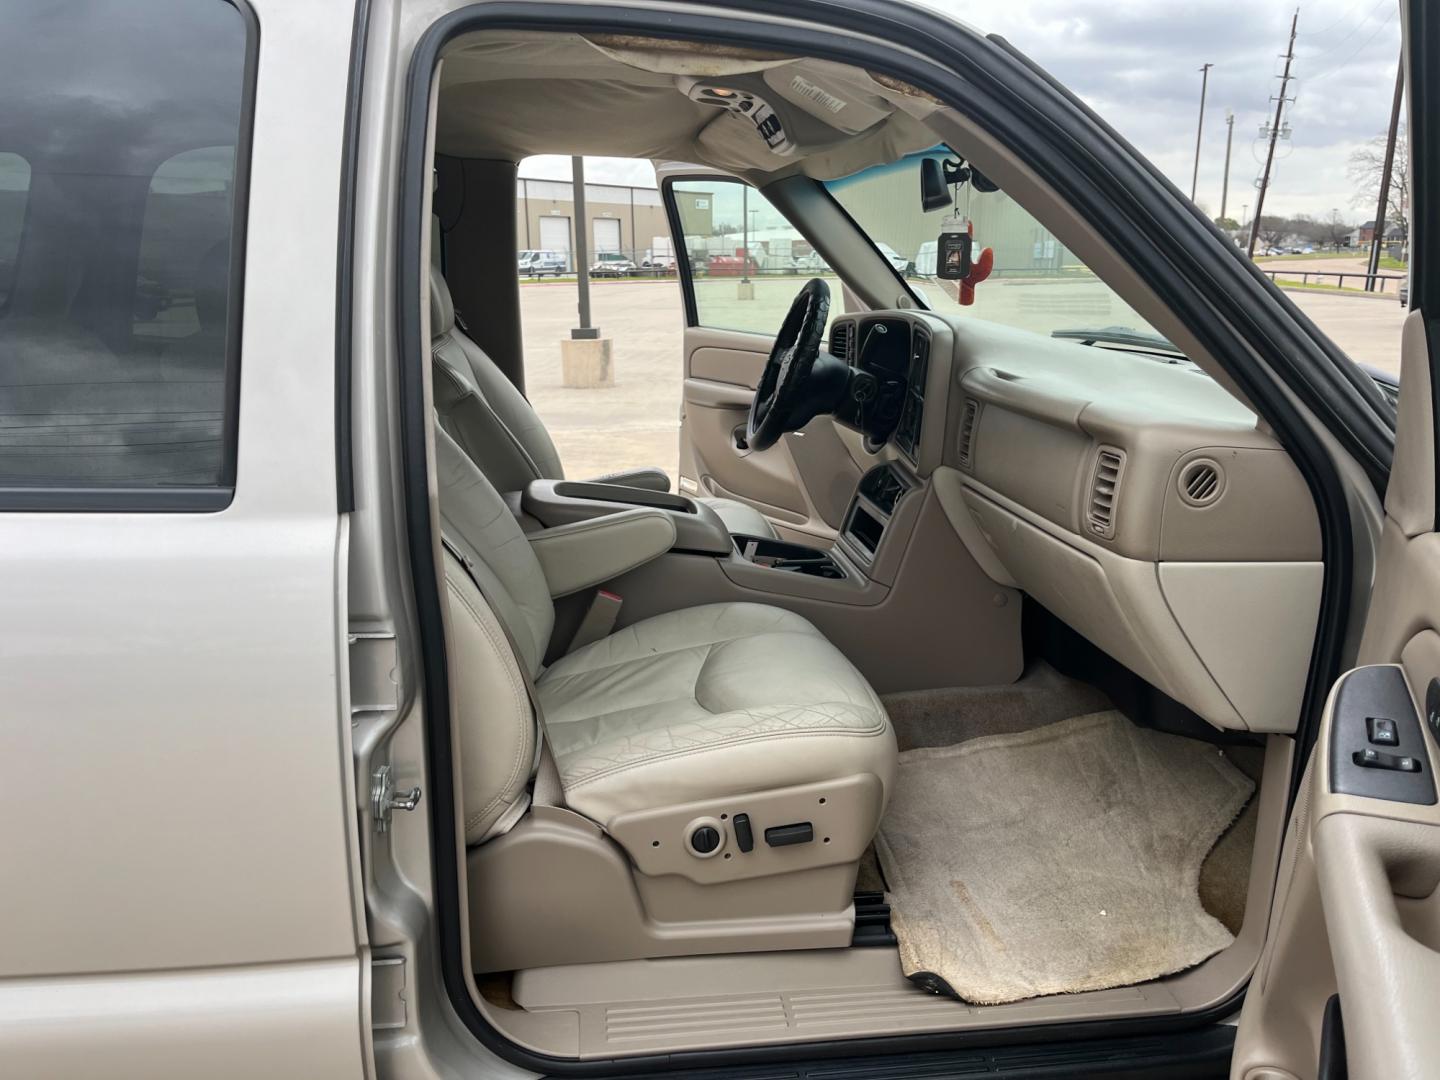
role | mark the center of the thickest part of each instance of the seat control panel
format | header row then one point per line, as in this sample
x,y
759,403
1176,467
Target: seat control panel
x,y
1378,745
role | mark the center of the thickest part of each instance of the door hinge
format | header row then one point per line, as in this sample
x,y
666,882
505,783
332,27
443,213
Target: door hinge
x,y
385,800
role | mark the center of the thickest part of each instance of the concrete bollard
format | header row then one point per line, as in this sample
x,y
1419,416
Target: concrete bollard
x,y
745,290
587,363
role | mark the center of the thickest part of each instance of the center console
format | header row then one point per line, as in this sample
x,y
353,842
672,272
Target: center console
x,y
546,504
871,510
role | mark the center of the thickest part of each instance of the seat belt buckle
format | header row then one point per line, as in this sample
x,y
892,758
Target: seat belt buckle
x,y
599,619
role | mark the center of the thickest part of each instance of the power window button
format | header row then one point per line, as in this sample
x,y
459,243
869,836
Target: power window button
x,y
1382,731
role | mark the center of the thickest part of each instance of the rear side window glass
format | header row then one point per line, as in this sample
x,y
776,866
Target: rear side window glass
x,y
122,146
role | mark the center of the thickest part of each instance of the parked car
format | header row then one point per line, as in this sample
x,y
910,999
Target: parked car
x,y
543,263
612,264
901,264
731,266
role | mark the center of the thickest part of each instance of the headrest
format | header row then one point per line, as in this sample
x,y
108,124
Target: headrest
x,y
442,308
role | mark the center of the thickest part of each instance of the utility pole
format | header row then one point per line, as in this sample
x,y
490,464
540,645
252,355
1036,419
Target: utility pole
x,y
582,263
1200,128
1274,135
1229,138
1378,238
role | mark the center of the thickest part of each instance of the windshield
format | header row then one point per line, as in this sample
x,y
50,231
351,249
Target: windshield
x,y
1037,284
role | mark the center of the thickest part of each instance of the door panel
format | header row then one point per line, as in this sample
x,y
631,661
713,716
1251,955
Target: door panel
x,y
803,483
1357,911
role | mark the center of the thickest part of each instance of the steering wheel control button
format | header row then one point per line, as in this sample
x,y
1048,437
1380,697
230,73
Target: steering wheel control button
x,y
785,835
1382,731
744,835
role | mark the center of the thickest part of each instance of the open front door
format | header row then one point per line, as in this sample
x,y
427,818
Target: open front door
x,y
740,264
1351,969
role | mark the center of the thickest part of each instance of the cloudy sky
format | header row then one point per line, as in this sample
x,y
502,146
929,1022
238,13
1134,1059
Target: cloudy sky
x,y
1136,62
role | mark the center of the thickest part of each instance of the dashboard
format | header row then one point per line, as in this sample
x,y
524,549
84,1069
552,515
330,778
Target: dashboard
x,y
1133,497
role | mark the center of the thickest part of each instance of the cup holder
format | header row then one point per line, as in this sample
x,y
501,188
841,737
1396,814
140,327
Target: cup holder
x,y
791,558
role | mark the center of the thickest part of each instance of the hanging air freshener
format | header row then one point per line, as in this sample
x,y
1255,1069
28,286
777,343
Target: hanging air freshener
x,y
952,255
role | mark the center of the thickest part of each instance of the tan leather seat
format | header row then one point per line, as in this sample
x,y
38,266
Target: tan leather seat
x,y
481,409
719,700
694,704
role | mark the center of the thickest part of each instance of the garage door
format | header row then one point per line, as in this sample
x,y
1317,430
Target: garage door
x,y
555,236
607,234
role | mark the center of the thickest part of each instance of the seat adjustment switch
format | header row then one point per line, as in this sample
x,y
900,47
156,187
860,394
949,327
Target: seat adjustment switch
x,y
705,839
785,835
744,835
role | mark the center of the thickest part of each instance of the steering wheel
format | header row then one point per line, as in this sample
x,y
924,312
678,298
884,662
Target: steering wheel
x,y
797,384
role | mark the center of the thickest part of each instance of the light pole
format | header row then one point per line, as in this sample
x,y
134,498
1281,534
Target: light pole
x,y
1200,128
746,289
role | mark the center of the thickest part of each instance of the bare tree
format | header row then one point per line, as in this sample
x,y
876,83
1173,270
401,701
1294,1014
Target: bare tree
x,y
1334,229
1274,230
1365,168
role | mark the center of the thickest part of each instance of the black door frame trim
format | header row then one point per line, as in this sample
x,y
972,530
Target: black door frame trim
x,y
1182,254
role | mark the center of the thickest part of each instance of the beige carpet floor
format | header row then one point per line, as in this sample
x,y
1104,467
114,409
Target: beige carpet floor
x,y
1055,860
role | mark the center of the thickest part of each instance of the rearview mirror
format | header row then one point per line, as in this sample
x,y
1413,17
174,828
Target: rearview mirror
x,y
934,192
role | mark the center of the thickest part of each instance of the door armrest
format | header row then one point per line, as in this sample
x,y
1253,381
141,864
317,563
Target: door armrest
x,y
588,553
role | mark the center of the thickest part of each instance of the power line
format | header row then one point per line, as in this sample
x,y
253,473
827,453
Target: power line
x,y
1336,67
1351,32
1344,15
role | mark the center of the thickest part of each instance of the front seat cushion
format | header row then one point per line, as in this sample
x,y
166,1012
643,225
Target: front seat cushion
x,y
740,519
712,701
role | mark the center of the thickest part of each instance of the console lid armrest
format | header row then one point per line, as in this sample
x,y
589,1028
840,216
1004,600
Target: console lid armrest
x,y
646,479
588,553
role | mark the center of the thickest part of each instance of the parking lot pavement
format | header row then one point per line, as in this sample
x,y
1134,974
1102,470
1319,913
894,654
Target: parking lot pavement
x,y
637,421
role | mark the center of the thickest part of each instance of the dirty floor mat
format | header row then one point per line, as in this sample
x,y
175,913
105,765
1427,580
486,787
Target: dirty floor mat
x,y
1055,860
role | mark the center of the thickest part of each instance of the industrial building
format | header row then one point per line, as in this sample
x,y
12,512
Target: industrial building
x,y
619,218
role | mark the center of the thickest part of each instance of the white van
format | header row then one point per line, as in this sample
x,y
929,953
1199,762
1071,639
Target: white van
x,y
1042,688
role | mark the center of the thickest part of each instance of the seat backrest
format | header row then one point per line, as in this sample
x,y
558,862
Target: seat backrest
x,y
499,587
480,408
476,520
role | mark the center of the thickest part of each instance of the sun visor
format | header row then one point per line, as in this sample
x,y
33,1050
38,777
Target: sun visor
x,y
841,97
697,59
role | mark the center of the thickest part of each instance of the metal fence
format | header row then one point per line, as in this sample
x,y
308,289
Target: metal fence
x,y
1372,282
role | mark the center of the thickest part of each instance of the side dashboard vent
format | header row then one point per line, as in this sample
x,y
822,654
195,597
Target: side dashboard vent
x,y
969,424
840,336
1201,482
1105,490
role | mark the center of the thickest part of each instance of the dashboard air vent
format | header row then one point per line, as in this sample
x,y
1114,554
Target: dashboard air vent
x,y
1201,482
969,422
1105,490
840,335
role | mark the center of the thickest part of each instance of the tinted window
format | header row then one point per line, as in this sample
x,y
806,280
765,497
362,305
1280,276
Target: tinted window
x,y
119,145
